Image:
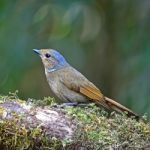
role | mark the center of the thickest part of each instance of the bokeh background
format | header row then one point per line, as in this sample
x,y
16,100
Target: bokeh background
x,y
108,41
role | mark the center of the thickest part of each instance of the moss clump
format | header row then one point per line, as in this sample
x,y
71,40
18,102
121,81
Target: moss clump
x,y
96,130
47,101
18,137
99,130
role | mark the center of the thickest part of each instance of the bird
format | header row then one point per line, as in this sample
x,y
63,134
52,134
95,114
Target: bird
x,y
71,86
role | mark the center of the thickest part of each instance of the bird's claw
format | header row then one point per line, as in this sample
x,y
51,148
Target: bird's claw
x,y
64,105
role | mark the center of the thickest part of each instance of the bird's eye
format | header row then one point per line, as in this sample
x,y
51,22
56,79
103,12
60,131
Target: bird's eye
x,y
47,55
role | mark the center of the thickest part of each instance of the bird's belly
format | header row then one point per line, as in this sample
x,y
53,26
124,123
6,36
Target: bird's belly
x,y
71,96
67,95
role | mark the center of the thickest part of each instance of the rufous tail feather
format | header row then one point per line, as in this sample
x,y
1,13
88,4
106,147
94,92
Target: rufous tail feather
x,y
119,108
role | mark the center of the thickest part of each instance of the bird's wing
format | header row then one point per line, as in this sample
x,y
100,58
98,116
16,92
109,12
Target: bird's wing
x,y
94,94
75,81
91,91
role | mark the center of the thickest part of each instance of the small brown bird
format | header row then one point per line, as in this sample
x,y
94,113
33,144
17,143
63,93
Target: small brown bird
x,y
70,86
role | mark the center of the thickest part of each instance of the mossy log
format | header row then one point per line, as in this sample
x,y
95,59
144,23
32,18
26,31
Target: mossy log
x,y
43,125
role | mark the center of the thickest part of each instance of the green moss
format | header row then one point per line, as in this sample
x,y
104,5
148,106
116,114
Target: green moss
x,y
97,129
47,101
102,130
18,137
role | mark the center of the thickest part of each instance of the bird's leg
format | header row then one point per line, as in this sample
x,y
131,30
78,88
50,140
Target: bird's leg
x,y
75,104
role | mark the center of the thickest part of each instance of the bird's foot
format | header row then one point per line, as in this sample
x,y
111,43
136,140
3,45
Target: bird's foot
x,y
82,105
64,105
75,104
70,104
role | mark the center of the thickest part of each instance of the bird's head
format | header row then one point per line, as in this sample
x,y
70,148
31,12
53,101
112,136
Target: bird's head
x,y
51,59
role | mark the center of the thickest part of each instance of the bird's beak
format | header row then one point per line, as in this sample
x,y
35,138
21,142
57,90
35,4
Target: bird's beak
x,y
37,51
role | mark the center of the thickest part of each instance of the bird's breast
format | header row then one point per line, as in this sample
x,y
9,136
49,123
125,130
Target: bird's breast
x,y
53,82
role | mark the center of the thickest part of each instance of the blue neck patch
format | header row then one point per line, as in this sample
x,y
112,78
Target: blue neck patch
x,y
51,70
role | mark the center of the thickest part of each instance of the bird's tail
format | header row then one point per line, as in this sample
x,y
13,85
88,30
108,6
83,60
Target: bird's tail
x,y
119,108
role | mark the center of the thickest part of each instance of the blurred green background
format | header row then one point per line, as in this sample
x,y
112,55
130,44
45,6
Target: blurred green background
x,y
108,41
